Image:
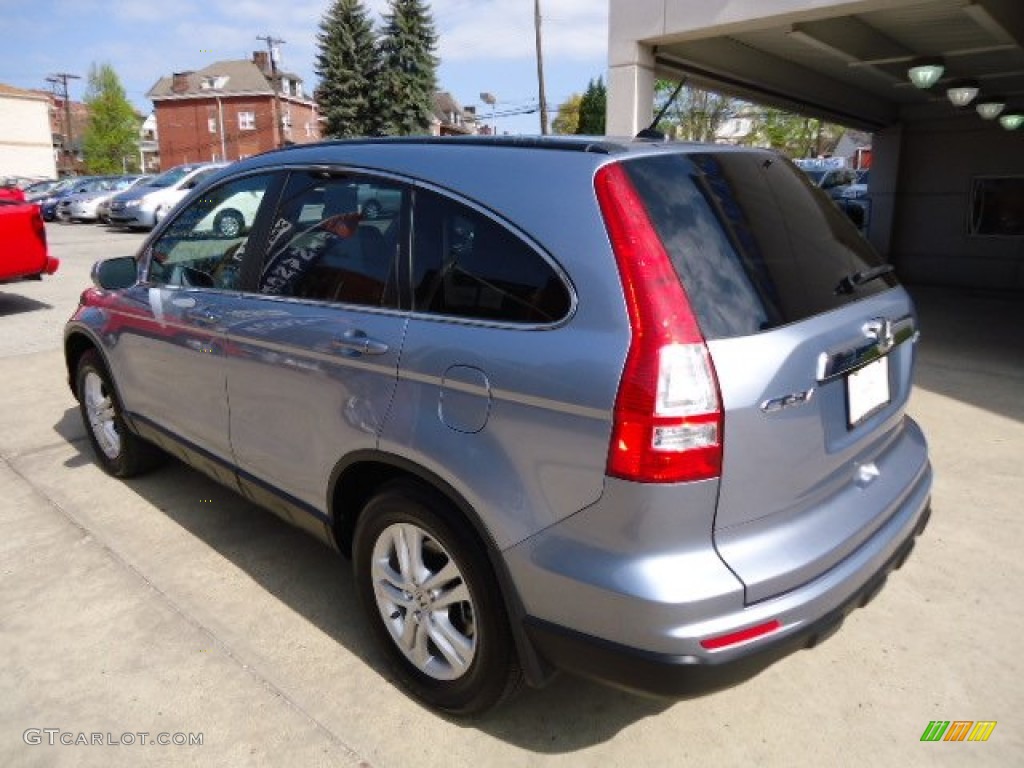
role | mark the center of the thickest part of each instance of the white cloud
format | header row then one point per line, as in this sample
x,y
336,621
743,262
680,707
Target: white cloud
x,y
571,29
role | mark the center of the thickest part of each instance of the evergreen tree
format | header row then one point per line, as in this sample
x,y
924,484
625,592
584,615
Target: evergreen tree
x,y
111,136
348,65
592,109
408,77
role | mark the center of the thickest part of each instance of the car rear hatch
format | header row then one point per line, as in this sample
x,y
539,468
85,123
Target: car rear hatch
x,y
812,341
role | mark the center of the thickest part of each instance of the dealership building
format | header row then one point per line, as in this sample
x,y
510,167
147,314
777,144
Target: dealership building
x,y
939,84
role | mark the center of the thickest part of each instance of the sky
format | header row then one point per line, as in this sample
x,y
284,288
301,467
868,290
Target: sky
x,y
484,45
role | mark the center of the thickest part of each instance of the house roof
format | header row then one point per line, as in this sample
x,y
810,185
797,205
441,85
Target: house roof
x,y
449,113
18,93
243,77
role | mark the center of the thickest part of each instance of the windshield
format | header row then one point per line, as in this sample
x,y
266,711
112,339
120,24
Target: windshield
x,y
171,177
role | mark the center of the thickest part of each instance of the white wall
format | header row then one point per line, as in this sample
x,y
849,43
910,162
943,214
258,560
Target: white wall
x,y
26,146
929,241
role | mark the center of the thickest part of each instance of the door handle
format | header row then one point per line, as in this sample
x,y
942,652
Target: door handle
x,y
357,342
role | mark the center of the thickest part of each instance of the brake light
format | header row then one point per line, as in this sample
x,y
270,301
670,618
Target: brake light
x,y
668,420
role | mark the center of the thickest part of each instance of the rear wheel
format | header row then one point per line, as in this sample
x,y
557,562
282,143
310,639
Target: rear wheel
x,y
433,602
119,451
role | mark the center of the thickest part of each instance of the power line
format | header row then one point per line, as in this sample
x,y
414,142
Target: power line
x,y
62,78
272,50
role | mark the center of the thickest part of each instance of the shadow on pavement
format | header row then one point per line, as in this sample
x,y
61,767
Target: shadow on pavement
x,y
569,715
972,347
13,304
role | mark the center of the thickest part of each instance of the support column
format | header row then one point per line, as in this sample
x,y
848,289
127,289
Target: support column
x,y
631,93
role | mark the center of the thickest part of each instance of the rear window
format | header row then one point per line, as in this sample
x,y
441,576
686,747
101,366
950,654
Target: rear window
x,y
754,243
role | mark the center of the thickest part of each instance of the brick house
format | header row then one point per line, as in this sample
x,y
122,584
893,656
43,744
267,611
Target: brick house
x,y
230,110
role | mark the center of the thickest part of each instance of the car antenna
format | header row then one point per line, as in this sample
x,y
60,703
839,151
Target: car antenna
x,y
651,132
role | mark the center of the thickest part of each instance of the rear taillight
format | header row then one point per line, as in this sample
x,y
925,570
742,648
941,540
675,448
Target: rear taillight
x,y
39,225
668,418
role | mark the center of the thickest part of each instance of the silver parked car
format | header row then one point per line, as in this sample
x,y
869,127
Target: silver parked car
x,y
89,205
638,412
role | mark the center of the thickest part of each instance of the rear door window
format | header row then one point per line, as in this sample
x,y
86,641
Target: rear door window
x,y
755,244
466,264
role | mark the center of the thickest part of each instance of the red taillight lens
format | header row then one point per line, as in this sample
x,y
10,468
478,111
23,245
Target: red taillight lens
x,y
668,421
742,636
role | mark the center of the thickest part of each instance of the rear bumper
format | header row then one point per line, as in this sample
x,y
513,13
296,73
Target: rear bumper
x,y
680,675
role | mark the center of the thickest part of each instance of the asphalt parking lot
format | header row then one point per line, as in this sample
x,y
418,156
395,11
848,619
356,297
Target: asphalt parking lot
x,y
168,605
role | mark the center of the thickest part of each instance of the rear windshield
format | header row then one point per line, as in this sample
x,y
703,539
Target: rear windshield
x,y
756,245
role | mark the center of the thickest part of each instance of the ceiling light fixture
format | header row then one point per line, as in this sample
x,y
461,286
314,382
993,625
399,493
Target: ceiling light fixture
x,y
962,92
924,73
1011,121
989,107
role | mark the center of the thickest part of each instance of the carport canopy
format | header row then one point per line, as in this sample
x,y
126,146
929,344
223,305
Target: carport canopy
x,y
845,62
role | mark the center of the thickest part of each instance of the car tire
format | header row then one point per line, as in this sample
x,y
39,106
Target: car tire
x,y
372,209
442,622
119,451
229,223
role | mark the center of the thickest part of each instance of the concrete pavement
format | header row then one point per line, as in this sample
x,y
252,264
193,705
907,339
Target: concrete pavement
x,y
167,604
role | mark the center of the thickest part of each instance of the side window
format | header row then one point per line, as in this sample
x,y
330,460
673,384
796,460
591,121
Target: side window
x,y
202,247
467,265
335,238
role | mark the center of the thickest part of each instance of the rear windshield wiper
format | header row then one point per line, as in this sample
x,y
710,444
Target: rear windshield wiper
x,y
849,283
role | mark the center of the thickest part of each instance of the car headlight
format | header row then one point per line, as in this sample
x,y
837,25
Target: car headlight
x,y
133,204
850,194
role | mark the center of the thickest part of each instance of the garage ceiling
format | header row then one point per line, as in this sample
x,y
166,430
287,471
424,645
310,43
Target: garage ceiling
x,y
853,68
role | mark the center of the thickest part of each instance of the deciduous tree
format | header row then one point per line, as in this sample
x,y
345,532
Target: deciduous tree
x,y
568,118
111,138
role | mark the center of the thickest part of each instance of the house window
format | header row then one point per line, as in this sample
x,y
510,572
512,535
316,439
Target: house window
x,y
309,129
211,124
247,121
286,87
997,206
298,89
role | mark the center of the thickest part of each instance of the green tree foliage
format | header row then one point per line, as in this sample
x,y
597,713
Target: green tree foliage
x,y
568,118
408,78
593,107
348,65
110,143
795,135
696,114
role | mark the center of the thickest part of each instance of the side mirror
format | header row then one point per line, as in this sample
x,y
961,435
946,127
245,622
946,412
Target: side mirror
x,y
113,274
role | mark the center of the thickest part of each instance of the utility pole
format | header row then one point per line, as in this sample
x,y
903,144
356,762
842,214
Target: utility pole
x,y
62,78
540,70
272,49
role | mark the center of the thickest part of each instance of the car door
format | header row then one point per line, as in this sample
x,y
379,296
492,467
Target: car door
x,y
169,344
313,352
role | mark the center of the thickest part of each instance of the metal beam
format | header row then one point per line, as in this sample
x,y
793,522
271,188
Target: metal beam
x,y
760,74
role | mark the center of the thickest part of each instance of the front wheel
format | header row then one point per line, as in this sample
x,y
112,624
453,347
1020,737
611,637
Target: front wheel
x,y
119,451
229,223
433,602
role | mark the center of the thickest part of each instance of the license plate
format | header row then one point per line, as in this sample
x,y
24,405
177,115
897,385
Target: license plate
x,y
867,390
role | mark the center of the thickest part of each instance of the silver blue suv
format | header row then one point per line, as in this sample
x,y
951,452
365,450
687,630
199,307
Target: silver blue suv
x,y
630,409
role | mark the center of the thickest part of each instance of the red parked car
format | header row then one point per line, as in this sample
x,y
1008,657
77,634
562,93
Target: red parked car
x,y
23,251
